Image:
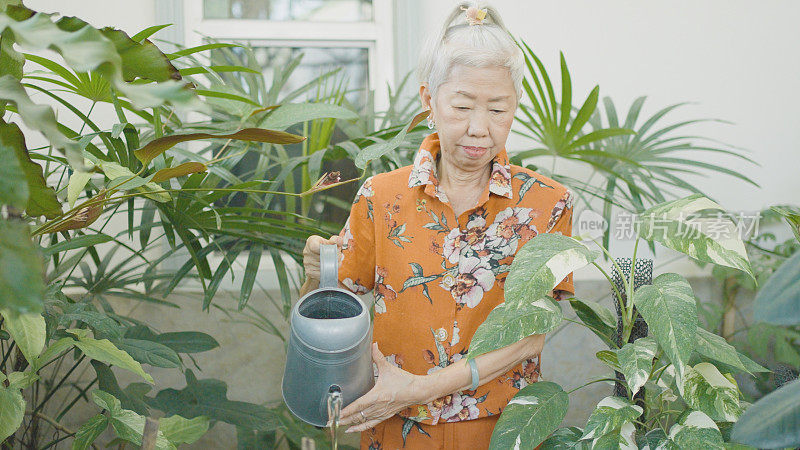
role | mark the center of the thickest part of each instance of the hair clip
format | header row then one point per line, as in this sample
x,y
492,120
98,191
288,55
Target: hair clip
x,y
475,16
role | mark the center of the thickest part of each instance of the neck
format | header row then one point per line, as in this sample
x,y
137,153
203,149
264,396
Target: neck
x,y
455,178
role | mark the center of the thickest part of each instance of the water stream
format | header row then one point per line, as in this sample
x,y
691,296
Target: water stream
x,y
334,408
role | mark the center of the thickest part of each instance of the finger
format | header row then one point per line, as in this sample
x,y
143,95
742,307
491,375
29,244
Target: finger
x,y
336,239
364,426
350,413
377,356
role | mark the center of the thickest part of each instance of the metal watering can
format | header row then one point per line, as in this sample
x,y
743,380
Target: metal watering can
x,y
329,358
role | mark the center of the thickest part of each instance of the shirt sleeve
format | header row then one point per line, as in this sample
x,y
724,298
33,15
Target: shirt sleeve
x,y
565,288
357,260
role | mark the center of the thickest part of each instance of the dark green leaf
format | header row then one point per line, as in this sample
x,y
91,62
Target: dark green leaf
x,y
188,341
778,301
209,398
22,182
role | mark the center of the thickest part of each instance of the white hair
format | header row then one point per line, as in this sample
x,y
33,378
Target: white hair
x,y
482,45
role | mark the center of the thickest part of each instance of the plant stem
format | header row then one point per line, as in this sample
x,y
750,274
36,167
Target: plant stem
x,y
591,382
628,328
55,388
81,393
7,354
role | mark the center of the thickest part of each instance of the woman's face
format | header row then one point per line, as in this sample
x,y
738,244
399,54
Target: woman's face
x,y
473,111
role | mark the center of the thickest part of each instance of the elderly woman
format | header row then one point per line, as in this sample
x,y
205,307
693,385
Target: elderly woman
x,y
434,242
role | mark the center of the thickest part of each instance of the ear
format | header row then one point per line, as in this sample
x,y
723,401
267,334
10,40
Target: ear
x,y
425,96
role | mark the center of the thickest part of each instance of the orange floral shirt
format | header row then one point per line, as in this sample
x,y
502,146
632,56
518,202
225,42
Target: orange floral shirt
x,y
435,277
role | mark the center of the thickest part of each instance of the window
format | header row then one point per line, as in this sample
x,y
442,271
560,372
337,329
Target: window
x,y
355,35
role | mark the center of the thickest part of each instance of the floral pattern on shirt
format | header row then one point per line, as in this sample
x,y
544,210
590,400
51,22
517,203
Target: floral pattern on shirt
x,y
436,276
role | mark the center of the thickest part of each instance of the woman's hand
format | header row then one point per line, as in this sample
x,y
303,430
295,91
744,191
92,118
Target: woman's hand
x,y
394,391
311,259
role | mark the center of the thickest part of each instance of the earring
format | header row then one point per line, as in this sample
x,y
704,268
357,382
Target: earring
x,y
431,123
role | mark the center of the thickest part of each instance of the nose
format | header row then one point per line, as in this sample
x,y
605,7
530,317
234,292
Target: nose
x,y
478,124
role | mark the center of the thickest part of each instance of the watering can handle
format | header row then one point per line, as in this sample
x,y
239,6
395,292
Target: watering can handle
x,y
328,266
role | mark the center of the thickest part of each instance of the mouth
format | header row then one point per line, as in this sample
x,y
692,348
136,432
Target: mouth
x,y
474,152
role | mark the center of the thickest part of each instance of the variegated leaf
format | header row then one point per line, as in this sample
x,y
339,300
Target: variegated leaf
x,y
705,389
716,348
694,430
565,439
535,412
507,323
542,263
622,438
636,361
669,307
675,224
610,415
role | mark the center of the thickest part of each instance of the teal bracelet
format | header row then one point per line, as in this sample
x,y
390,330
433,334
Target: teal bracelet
x,y
473,367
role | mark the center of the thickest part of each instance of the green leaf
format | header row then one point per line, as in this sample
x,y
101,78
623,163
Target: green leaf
x,y
599,319
104,351
611,414
542,263
670,310
565,439
705,389
529,418
778,301
22,380
149,352
773,421
636,360
183,431
22,182
292,113
12,411
695,430
132,397
127,424
53,350
379,149
119,173
28,331
160,145
673,225
21,285
89,432
87,240
716,348
609,358
11,61
188,341
209,398
508,323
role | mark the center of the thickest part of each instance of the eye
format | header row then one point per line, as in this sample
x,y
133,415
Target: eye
x,y
462,108
498,111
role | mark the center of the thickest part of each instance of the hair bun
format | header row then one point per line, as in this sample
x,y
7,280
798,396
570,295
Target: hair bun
x,y
474,15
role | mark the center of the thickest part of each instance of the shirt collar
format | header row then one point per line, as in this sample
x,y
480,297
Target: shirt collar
x,y
424,171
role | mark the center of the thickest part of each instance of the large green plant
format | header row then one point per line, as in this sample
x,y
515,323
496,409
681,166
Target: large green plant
x,y
62,271
691,397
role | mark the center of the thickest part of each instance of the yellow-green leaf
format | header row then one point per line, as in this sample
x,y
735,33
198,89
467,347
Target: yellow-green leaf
x,y
28,331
